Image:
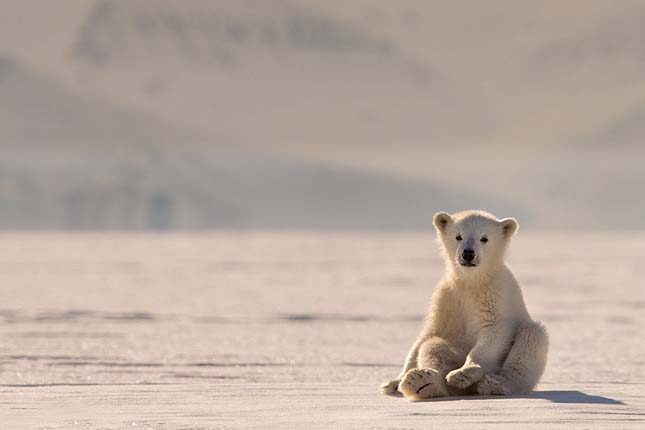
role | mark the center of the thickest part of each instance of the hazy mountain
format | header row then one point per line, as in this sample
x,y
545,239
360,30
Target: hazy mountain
x,y
299,76
132,114
348,75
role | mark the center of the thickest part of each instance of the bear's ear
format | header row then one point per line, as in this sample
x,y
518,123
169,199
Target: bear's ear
x,y
509,227
441,220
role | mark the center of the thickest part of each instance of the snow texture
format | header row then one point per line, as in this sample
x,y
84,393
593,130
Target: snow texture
x,y
294,330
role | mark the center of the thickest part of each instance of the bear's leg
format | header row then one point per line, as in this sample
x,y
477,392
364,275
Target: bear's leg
x,y
523,366
435,359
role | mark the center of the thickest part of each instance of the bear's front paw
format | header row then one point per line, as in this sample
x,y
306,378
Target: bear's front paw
x,y
420,384
465,376
390,387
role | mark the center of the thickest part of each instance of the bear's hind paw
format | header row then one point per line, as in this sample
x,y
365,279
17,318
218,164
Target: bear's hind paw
x,y
492,385
390,387
464,376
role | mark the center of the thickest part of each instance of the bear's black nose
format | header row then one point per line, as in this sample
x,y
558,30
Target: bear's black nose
x,y
468,255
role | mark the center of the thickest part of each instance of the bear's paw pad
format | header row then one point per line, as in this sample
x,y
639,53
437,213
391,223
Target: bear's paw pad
x,y
421,384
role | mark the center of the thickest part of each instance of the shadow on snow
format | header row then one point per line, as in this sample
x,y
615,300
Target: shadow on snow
x,y
555,396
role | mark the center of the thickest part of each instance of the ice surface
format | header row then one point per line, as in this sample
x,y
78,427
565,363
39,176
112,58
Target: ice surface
x,y
294,330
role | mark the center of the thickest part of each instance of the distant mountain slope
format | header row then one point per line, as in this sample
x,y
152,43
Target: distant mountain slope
x,y
221,32
38,111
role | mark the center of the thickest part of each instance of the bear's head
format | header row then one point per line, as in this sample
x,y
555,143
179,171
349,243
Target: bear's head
x,y
473,242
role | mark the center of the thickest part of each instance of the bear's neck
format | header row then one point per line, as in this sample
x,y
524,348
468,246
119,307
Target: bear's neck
x,y
478,278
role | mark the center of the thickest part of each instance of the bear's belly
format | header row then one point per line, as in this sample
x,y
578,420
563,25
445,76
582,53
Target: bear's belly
x,y
461,330
471,324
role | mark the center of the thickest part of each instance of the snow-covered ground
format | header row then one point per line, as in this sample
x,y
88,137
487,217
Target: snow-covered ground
x,y
291,330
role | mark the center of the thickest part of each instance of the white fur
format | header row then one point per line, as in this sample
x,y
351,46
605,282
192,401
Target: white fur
x,y
478,337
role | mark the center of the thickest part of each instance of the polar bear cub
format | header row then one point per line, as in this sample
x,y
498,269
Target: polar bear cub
x,y
478,337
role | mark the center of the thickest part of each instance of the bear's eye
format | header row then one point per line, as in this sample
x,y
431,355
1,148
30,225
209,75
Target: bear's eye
x,y
484,239
459,237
